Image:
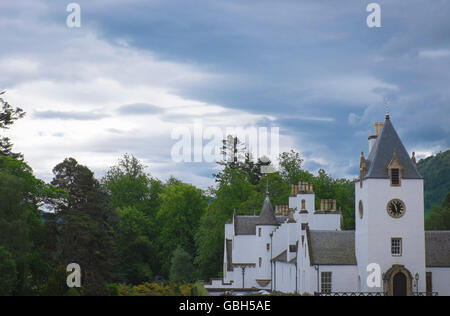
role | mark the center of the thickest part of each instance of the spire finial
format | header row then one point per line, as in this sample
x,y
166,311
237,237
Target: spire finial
x,y
386,106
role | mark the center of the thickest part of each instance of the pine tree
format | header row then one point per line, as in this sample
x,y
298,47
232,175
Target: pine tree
x,y
8,115
87,226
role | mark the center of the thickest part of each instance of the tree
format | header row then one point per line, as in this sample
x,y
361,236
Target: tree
x,y
439,218
137,252
130,186
8,115
21,229
291,168
87,226
182,206
436,173
181,269
136,197
8,273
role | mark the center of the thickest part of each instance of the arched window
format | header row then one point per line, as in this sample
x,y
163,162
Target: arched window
x,y
303,204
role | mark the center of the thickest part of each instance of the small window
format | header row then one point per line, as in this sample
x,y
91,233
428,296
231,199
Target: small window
x,y
326,282
395,176
260,262
259,232
303,205
396,246
268,247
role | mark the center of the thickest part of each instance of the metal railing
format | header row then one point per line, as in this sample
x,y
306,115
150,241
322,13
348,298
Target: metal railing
x,y
370,294
425,294
349,294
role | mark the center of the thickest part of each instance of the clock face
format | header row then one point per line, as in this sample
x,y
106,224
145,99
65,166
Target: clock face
x,y
396,208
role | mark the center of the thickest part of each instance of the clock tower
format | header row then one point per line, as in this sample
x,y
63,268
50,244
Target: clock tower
x,y
390,216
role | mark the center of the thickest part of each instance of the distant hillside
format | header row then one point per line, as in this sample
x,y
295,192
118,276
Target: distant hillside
x,y
436,173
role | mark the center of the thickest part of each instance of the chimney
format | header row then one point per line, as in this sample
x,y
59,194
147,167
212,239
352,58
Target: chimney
x,y
373,138
413,158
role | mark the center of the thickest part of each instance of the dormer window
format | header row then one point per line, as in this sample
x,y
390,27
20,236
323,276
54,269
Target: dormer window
x,y
395,171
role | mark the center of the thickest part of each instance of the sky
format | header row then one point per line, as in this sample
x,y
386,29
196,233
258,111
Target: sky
x,y
138,70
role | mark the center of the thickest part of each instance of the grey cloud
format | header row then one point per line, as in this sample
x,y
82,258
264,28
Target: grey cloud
x,y
69,115
140,109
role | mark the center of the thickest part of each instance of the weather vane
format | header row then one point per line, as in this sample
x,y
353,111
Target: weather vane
x,y
386,106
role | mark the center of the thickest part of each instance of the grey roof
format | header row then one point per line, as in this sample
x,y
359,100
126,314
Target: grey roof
x,y
437,248
267,215
332,247
382,153
246,225
282,257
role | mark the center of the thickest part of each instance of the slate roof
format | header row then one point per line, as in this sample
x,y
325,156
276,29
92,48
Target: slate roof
x,y
282,257
267,215
437,248
332,247
382,153
246,225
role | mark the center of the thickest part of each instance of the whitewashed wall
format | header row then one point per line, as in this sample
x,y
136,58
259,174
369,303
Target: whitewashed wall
x,y
375,230
441,280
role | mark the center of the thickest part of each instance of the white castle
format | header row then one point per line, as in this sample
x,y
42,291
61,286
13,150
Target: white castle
x,y
298,249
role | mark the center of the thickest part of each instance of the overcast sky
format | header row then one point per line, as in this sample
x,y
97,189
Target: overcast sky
x,y
138,69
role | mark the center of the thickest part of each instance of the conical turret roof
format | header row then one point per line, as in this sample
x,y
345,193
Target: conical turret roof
x,y
382,153
267,215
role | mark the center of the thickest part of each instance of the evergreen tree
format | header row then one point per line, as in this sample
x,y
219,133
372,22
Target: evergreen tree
x,y
8,115
87,226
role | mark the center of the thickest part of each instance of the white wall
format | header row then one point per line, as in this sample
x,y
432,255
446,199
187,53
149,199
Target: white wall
x,y
284,277
441,280
296,202
375,230
344,278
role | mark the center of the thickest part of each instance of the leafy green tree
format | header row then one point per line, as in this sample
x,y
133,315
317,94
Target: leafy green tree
x,y
291,170
182,269
210,242
436,173
21,229
130,186
8,273
439,218
182,206
135,194
137,252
